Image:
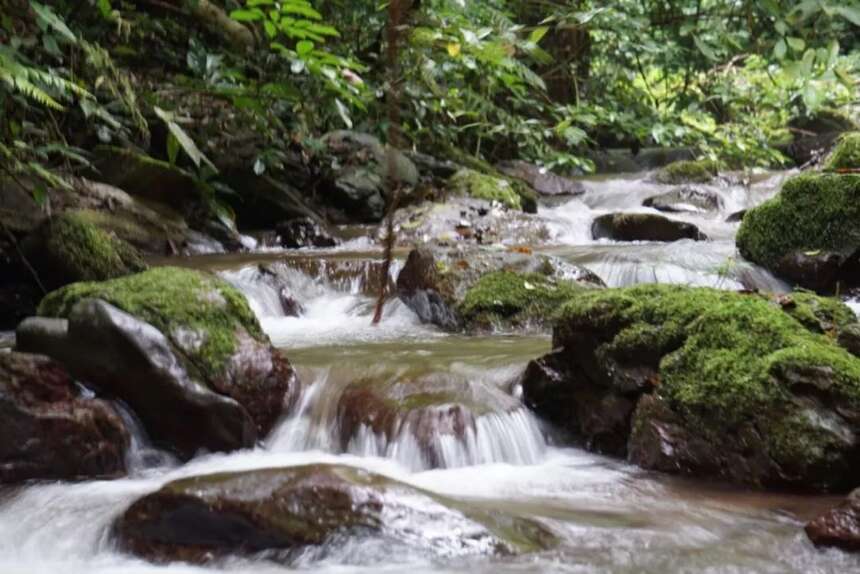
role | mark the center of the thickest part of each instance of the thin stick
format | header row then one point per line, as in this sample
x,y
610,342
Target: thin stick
x,y
395,17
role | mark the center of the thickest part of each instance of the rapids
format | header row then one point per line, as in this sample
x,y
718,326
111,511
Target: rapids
x,y
608,516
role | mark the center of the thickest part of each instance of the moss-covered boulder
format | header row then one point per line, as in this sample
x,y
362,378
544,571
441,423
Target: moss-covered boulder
x,y
706,382
181,347
809,233
846,155
513,194
487,288
698,171
70,248
50,429
643,227
312,507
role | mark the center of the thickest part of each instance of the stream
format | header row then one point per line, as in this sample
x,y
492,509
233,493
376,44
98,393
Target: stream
x,y
608,516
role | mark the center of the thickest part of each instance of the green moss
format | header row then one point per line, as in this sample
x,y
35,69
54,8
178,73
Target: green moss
x,y
698,171
812,212
520,297
818,314
177,302
480,186
846,155
725,355
90,253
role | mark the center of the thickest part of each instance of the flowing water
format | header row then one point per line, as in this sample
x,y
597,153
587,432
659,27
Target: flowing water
x,y
608,516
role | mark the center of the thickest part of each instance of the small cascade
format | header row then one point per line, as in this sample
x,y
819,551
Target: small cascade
x,y
142,455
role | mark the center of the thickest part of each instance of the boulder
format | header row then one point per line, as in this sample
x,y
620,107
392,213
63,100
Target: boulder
x,y
50,429
540,179
685,199
737,216
181,348
838,527
706,382
304,232
356,167
846,155
324,506
69,248
809,233
643,227
697,171
481,288
510,193
146,177
849,339
430,166
814,135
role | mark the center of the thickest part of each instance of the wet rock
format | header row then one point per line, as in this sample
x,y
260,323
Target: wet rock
x,y
289,304
304,232
542,181
146,177
182,348
510,193
356,168
462,220
643,227
49,430
685,199
737,216
849,338
698,171
808,233
838,527
433,167
814,135
282,509
705,382
436,284
68,248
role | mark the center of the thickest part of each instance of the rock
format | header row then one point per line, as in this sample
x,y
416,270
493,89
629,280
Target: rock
x,y
643,227
511,194
685,199
838,527
281,509
50,431
146,177
356,169
69,248
849,338
846,155
814,135
289,304
705,382
182,348
809,232
542,181
465,220
433,412
304,232
433,167
481,287
698,171
737,216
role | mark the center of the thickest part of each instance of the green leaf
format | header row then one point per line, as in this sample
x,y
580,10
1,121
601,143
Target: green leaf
x,y
779,49
183,139
343,112
796,44
247,15
850,13
50,19
304,47
537,34
705,49
172,148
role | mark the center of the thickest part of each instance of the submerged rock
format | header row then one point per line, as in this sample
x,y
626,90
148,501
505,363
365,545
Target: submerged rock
x,y
69,248
809,233
838,527
481,287
706,382
698,171
542,181
643,227
182,348
511,194
50,431
304,232
281,509
685,199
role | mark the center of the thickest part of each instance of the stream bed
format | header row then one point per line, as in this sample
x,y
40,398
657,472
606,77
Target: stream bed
x,y
607,516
